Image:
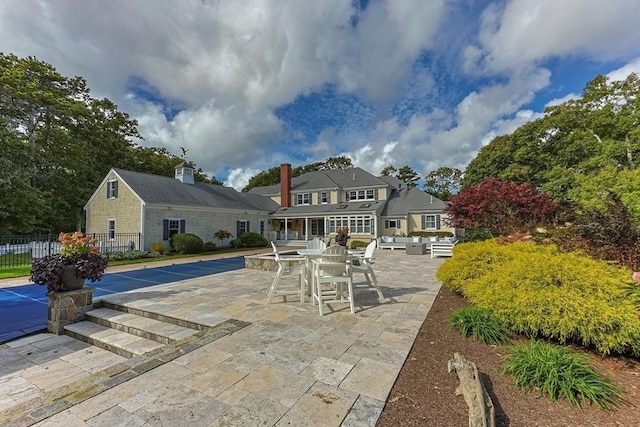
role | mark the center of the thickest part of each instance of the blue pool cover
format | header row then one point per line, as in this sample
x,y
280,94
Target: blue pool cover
x,y
23,309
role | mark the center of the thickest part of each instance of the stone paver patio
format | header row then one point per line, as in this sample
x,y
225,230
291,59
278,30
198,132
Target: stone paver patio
x,y
288,366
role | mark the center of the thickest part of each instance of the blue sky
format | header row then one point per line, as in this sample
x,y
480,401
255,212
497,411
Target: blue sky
x,y
247,85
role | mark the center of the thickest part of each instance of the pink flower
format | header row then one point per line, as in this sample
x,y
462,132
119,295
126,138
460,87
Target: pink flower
x,y
636,277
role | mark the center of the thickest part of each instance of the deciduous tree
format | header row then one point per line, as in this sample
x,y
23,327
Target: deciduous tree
x,y
503,207
443,182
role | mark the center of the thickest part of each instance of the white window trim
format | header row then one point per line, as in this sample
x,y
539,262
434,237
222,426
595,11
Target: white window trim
x,y
109,221
111,188
300,199
361,195
357,224
326,196
425,222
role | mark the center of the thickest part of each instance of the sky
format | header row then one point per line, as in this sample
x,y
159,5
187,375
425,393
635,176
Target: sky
x,y
245,85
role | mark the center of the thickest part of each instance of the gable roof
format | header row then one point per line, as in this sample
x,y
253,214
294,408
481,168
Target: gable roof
x,y
411,200
325,180
163,189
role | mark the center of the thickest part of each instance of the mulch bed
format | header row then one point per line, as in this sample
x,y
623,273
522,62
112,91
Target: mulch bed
x,y
424,393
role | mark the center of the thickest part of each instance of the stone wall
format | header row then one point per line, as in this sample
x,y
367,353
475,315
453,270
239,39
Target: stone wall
x,y
68,307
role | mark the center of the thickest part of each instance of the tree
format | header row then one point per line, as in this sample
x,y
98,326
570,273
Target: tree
x,y
443,182
502,207
389,170
59,140
341,162
578,137
408,176
272,175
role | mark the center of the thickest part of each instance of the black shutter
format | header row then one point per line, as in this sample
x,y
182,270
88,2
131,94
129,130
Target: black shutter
x,y
248,227
165,229
437,222
115,189
237,229
183,224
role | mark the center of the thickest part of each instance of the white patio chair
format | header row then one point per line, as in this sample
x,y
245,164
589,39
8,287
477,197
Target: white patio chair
x,y
316,244
287,266
364,265
331,273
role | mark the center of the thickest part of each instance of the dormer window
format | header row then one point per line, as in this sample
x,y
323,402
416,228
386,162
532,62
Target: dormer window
x,y
112,189
303,199
355,195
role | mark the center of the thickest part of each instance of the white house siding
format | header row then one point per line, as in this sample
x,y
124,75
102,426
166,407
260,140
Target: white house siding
x,y
125,209
203,222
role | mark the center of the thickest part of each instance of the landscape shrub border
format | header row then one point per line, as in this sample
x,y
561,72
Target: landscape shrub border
x,y
538,291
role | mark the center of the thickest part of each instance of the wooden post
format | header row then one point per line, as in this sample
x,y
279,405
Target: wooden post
x,y
481,410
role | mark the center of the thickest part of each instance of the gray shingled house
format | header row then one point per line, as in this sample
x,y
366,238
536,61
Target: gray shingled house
x,y
318,203
157,207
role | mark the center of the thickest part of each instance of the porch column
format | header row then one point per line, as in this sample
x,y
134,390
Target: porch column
x,y
306,225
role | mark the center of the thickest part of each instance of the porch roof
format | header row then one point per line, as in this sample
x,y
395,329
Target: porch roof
x,y
350,208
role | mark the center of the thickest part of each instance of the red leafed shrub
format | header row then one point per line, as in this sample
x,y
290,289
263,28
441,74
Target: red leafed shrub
x,y
503,207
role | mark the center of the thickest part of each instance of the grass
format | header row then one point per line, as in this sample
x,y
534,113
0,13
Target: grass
x,y
13,272
478,323
558,372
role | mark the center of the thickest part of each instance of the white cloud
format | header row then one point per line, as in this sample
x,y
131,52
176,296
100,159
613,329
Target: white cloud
x,y
227,65
623,72
239,178
526,32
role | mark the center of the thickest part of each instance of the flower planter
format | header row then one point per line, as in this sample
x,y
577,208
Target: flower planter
x,y
70,279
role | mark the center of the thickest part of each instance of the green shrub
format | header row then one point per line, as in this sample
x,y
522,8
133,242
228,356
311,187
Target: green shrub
x,y
430,234
560,373
478,323
209,247
251,240
130,255
186,243
355,244
158,247
537,290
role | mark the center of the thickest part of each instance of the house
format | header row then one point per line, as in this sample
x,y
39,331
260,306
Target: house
x,y
316,204
156,207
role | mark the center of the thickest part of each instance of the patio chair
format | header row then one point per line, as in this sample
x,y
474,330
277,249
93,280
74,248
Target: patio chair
x,y
316,244
331,273
365,265
287,266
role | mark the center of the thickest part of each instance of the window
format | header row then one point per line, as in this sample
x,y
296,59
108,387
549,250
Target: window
x,y
392,223
324,197
242,226
302,199
431,222
111,229
112,189
317,227
361,195
262,227
357,224
171,227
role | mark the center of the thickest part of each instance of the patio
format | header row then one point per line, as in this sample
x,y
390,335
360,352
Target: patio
x,y
288,366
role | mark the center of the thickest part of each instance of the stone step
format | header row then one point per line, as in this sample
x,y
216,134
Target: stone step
x,y
145,327
118,342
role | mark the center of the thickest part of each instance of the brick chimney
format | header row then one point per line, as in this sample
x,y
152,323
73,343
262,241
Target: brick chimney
x,y
285,185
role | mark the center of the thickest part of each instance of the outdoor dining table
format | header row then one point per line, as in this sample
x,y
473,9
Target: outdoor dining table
x,y
310,255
